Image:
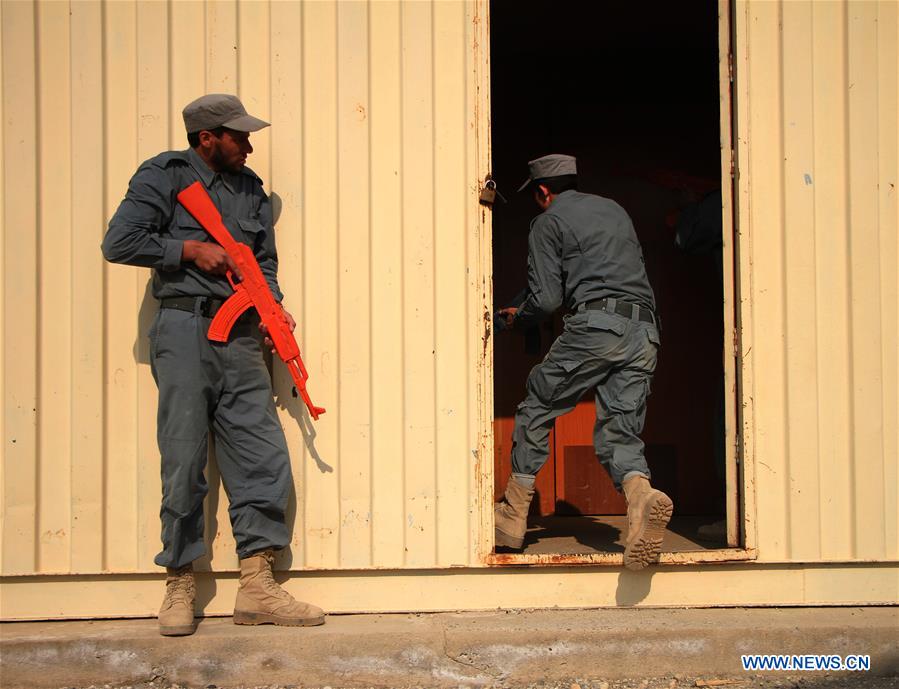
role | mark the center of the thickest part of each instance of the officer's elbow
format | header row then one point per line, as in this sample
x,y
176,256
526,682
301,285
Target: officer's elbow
x,y
108,249
113,251
547,307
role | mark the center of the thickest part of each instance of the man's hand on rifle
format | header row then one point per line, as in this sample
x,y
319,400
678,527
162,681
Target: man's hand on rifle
x,y
209,257
290,321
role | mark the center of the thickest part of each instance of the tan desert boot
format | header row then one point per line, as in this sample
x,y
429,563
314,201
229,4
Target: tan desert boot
x,y
261,600
510,515
176,616
648,512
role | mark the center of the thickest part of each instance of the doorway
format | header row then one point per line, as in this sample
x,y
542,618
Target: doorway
x,y
632,90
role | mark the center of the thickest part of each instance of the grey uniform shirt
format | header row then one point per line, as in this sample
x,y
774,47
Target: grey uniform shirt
x,y
582,248
150,226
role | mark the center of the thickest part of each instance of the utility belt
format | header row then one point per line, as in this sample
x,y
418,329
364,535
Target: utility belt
x,y
202,306
633,311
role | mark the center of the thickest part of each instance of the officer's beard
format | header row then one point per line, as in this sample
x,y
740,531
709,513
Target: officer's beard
x,y
222,164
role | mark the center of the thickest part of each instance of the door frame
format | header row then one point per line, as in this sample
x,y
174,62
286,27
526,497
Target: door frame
x,y
739,470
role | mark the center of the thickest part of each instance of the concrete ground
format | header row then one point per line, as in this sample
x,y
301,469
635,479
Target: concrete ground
x,y
558,649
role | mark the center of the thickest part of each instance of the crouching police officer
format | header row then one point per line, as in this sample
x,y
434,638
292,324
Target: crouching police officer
x,y
583,252
207,385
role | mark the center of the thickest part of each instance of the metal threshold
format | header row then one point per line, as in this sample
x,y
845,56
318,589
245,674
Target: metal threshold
x,y
598,540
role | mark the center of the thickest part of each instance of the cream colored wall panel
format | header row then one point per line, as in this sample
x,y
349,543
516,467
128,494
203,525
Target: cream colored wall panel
x,y
387,399
766,214
418,283
123,293
888,210
800,298
864,271
287,143
152,137
453,441
356,310
253,71
3,326
55,307
88,268
320,281
549,587
20,290
186,64
832,279
222,75
818,153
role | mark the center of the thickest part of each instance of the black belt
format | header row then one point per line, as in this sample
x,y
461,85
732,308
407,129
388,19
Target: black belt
x,y
205,306
622,308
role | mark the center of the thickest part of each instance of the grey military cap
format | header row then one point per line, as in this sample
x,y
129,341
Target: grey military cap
x,y
553,165
219,110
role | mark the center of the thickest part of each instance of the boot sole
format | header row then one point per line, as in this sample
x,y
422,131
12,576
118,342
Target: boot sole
x,y
178,630
504,540
647,546
241,617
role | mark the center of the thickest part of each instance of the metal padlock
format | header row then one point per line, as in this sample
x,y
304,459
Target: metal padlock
x,y
488,192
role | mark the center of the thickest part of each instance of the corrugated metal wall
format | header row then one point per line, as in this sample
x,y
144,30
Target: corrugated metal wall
x,y
374,156
817,126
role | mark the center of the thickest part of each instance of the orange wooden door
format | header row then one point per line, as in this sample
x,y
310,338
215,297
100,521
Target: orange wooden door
x,y
582,485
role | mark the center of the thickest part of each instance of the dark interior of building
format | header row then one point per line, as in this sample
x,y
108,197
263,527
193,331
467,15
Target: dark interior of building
x,y
632,90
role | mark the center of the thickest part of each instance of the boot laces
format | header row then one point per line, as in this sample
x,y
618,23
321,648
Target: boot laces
x,y
179,586
267,579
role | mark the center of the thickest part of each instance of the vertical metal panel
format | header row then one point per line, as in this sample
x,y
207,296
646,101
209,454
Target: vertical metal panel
x,y
54,277
287,106
152,136
418,282
818,207
832,286
385,123
20,289
88,355
452,391
355,307
888,216
319,303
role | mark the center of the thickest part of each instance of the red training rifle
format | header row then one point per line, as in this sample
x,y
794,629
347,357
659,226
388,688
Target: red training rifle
x,y
251,291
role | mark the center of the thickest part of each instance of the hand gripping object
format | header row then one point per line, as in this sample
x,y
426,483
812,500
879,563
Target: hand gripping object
x,y
251,291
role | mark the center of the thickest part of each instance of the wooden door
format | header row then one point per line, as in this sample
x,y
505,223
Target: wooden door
x,y
582,485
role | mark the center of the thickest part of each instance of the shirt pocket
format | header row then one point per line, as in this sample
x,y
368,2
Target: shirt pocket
x,y
185,226
600,320
253,231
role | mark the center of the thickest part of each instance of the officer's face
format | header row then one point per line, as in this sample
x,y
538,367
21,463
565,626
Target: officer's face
x,y
230,150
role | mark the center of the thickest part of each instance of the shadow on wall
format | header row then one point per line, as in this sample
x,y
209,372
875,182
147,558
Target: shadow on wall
x,y
633,587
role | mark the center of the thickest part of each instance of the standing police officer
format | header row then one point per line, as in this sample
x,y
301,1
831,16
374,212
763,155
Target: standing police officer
x,y
204,385
583,252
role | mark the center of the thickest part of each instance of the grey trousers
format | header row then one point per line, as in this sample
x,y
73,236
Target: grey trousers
x,y
615,357
225,388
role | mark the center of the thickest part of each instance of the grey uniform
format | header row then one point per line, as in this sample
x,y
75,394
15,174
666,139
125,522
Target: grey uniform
x,y
583,253
203,385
